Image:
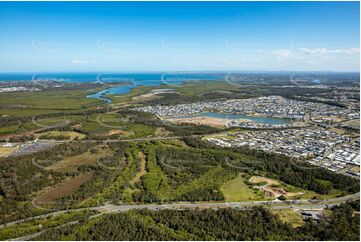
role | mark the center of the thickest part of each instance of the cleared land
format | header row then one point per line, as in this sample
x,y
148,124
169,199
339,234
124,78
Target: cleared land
x,y
71,135
236,191
73,162
289,216
272,188
64,188
5,151
208,121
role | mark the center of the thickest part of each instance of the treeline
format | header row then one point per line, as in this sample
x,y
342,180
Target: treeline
x,y
340,224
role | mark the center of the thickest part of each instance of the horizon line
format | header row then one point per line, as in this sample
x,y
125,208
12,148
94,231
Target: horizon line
x,y
178,71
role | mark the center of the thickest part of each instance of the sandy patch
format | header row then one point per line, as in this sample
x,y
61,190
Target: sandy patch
x,y
272,188
6,151
117,131
208,121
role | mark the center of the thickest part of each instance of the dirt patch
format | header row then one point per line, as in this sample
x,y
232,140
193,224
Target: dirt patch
x,y
208,121
162,132
271,188
73,162
153,94
65,188
145,97
55,134
116,131
6,151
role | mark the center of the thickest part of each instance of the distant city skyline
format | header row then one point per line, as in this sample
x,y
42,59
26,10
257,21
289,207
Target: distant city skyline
x,y
179,36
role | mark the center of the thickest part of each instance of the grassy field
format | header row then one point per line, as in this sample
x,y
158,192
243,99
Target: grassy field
x,y
71,163
292,192
236,191
70,135
11,129
289,216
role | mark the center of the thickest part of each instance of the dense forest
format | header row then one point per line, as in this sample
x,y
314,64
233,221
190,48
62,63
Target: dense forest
x,y
340,223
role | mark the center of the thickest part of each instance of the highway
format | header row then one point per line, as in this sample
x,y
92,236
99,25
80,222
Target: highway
x,y
110,208
275,204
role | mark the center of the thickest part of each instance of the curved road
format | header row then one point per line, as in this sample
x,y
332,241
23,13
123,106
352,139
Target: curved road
x,y
275,204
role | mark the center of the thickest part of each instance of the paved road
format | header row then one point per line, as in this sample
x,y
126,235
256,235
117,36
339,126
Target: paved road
x,y
275,204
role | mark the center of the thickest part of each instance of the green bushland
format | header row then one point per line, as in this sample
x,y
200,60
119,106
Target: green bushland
x,y
305,176
36,225
155,182
339,223
115,190
49,100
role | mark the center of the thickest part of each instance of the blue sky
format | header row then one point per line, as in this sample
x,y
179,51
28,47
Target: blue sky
x,y
175,36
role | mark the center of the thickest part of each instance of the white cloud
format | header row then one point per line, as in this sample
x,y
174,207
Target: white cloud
x,y
283,54
320,51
